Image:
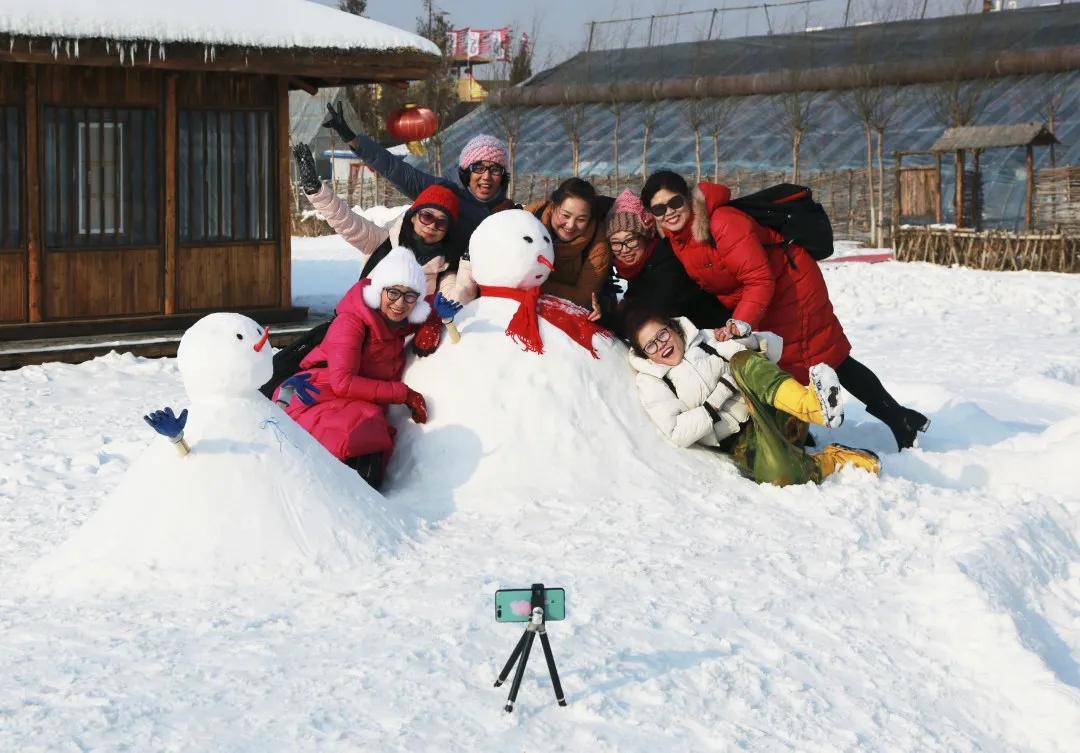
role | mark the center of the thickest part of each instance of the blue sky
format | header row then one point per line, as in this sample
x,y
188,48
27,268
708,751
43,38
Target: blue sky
x,y
559,25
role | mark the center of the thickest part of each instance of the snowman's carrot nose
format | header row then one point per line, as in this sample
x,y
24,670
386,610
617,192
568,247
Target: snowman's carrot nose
x,y
544,260
266,336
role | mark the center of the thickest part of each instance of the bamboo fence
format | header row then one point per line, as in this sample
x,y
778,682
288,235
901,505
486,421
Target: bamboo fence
x,y
989,249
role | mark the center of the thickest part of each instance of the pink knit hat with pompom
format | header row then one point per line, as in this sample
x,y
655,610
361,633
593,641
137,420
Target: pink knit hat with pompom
x,y
628,213
483,148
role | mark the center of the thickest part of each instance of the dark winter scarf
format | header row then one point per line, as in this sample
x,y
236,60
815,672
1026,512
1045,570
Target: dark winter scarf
x,y
630,271
524,327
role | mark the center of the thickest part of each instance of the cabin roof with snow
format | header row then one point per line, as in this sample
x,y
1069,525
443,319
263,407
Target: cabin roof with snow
x,y
304,39
992,136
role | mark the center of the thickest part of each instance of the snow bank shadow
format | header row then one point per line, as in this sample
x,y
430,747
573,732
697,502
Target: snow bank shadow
x,y
1016,572
638,668
957,425
428,488
323,275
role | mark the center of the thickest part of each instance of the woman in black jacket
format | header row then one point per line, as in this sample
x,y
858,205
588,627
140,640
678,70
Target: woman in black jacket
x,y
654,276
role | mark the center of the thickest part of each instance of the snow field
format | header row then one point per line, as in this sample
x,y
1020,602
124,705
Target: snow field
x,y
935,608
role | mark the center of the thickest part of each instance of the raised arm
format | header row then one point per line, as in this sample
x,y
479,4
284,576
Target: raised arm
x,y
363,234
407,178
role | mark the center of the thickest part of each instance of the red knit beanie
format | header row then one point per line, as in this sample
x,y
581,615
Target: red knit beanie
x,y
439,197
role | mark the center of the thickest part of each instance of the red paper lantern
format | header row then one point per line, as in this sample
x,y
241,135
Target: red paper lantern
x,y
411,123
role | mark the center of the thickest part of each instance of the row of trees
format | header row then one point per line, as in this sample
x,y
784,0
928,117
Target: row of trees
x,y
952,103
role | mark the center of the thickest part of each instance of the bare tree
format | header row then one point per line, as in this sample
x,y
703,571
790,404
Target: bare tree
x,y
796,111
572,117
1050,109
696,112
615,106
509,120
649,113
890,103
721,112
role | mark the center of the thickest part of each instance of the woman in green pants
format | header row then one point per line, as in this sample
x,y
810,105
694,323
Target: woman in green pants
x,y
730,396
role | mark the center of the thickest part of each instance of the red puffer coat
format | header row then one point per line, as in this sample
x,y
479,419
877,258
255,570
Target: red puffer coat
x,y
357,369
773,289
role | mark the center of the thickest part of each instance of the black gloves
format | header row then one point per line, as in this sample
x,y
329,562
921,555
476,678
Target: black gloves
x,y
305,165
336,120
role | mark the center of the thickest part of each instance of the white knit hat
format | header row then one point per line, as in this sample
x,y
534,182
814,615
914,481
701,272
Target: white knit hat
x,y
399,267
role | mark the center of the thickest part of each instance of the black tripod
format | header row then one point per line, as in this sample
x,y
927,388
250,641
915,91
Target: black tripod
x,y
524,646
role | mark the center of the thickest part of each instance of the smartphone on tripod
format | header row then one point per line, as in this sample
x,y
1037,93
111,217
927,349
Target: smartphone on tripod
x,y
515,604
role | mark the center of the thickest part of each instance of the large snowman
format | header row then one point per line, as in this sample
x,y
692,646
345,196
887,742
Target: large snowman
x,y
255,497
534,401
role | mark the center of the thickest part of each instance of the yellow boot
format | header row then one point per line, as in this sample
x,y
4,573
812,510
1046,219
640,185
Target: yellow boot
x,y
836,456
799,401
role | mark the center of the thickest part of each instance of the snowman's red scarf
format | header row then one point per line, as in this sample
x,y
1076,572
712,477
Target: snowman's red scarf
x,y
524,327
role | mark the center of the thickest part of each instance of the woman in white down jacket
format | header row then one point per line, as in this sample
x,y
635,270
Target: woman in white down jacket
x,y
731,396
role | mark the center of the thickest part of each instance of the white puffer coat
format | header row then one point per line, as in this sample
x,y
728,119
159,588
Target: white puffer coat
x,y
699,378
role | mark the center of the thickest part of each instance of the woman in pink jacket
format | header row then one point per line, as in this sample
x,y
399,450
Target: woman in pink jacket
x,y
356,370
423,229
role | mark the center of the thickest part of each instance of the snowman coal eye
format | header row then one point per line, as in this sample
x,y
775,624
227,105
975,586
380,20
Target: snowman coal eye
x,y
546,239
528,238
239,336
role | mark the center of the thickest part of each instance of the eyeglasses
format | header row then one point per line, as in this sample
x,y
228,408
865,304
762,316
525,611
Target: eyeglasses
x,y
431,219
479,168
653,345
393,294
675,202
621,247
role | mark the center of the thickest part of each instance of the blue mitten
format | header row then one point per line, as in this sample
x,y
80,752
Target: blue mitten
x,y
167,424
446,308
299,385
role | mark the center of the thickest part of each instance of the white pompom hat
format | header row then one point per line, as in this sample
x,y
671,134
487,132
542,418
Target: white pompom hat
x,y
399,267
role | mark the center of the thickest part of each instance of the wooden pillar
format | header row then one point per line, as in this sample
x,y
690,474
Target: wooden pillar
x,y
33,197
171,187
976,207
897,194
1029,194
937,204
960,187
284,213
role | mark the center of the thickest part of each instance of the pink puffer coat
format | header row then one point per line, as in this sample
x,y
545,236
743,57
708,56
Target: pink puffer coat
x,y
357,368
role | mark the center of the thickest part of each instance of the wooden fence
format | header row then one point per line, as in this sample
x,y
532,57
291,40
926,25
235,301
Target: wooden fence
x,y
989,249
1057,199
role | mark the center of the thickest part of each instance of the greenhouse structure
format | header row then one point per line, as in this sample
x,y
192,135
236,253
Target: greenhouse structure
x,y
1007,68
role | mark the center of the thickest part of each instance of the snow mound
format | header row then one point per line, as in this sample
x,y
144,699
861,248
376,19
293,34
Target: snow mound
x,y
523,424
256,497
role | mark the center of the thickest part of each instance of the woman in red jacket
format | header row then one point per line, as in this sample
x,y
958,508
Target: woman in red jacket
x,y
769,285
356,369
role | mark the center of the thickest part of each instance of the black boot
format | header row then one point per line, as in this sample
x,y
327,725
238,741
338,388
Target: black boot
x,y
863,384
904,423
370,468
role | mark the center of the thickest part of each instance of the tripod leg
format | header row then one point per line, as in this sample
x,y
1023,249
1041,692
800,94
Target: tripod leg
x,y
510,662
516,684
551,668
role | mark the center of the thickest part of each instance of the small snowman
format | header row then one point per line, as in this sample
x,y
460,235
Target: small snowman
x,y
250,495
512,256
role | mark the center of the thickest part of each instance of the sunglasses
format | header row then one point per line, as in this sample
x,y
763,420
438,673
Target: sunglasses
x,y
676,202
479,168
653,345
620,247
393,294
431,219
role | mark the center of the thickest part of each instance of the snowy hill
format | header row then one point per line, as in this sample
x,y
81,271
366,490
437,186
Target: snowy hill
x,y
934,609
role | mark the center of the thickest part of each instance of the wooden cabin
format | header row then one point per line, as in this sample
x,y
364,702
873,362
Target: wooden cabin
x,y
144,177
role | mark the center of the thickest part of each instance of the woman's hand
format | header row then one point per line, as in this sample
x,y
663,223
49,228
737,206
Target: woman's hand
x,y
335,119
594,315
305,166
733,330
417,406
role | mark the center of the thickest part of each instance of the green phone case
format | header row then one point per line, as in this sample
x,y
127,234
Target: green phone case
x,y
509,606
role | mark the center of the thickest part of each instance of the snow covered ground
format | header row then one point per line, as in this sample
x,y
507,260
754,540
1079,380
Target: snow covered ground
x,y
934,609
